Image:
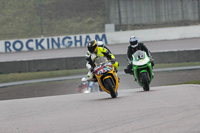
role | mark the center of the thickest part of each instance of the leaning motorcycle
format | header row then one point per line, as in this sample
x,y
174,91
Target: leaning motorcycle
x,y
106,76
142,69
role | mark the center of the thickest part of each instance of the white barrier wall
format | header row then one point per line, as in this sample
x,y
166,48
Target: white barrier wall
x,y
33,44
157,34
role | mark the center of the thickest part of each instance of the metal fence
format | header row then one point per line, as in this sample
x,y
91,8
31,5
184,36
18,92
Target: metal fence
x,y
153,12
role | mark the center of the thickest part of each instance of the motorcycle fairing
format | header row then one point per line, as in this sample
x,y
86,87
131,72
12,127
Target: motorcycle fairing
x,y
141,64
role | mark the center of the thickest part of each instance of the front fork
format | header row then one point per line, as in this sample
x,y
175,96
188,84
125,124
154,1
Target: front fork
x,y
137,74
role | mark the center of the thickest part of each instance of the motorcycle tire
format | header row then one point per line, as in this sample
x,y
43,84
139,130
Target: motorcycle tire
x,y
145,81
110,88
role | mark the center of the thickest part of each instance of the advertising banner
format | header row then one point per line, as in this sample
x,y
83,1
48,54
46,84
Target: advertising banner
x,y
46,43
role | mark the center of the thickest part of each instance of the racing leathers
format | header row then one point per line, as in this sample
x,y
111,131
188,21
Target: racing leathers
x,y
90,57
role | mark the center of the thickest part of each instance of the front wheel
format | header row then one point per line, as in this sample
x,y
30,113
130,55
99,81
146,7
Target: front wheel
x,y
145,81
110,87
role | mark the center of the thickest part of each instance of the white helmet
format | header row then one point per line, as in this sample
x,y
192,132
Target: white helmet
x,y
133,41
100,43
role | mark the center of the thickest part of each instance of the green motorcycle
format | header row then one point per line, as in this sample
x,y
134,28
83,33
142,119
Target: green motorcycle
x,y
142,69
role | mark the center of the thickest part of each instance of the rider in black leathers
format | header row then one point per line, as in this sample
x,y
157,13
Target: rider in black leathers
x,y
132,48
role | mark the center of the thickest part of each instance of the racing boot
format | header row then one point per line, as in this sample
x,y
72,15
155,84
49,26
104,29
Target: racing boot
x,y
128,71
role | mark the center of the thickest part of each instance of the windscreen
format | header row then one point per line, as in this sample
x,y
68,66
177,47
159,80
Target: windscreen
x,y
139,55
100,59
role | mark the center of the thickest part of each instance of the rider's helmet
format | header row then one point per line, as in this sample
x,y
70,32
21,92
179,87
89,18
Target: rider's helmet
x,y
100,43
92,46
133,41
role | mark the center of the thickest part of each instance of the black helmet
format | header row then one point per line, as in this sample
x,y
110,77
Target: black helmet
x,y
92,46
133,41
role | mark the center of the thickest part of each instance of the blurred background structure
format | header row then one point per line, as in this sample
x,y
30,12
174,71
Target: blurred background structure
x,y
36,18
152,13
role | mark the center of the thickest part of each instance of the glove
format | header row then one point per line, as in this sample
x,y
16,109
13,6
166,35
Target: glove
x,y
113,61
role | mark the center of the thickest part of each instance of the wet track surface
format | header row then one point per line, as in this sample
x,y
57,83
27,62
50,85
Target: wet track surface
x,y
164,109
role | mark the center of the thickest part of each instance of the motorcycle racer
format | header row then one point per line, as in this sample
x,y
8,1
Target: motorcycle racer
x,y
132,48
96,49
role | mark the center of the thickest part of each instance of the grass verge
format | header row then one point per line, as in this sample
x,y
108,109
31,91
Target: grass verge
x,y
184,64
192,82
12,77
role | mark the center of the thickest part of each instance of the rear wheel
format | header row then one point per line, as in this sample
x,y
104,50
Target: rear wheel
x,y
145,81
110,87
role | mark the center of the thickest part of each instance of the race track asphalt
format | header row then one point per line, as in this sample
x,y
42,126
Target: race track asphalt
x,y
164,109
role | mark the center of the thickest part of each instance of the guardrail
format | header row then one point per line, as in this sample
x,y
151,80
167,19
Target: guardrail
x,y
79,62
